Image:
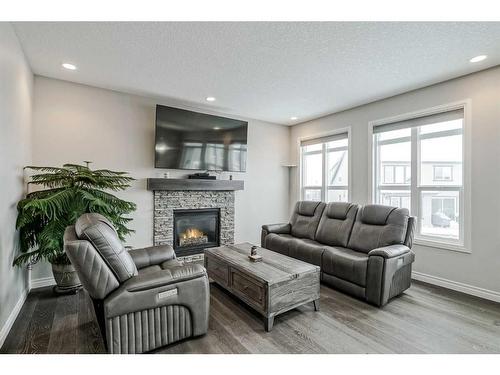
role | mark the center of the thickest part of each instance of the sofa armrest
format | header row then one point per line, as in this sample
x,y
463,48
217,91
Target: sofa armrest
x,y
390,251
277,228
283,228
150,256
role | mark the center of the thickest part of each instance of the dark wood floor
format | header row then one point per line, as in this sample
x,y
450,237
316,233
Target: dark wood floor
x,y
426,319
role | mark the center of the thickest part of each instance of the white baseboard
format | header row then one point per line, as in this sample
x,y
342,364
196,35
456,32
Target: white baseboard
x,y
33,284
42,282
12,317
459,287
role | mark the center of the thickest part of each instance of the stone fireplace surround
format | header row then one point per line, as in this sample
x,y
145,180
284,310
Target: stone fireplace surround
x,y
173,194
165,202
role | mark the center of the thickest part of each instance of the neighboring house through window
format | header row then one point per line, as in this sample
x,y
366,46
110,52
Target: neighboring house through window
x,y
443,172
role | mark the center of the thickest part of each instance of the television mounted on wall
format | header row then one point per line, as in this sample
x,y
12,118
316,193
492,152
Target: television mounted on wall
x,y
198,141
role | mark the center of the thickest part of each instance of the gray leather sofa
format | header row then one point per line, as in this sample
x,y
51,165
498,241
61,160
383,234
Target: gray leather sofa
x,y
363,251
144,298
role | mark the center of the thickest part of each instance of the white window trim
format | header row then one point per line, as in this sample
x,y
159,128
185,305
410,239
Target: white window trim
x,y
322,135
466,211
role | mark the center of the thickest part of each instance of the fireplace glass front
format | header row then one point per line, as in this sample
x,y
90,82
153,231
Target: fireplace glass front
x,y
195,230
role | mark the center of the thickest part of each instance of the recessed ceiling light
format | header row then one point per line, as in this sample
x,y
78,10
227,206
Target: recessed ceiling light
x,y
294,118
478,58
216,128
210,99
69,66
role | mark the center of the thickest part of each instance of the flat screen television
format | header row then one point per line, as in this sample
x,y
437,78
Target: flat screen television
x,y
192,140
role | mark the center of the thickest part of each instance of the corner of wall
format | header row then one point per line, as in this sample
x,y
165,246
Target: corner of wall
x,y
16,113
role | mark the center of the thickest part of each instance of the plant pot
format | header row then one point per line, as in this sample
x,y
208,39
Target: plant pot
x,y
66,278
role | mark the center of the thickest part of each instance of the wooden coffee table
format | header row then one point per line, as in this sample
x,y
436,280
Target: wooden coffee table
x,y
273,286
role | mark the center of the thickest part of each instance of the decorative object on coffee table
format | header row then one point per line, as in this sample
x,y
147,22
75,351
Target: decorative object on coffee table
x,y
253,250
254,257
273,286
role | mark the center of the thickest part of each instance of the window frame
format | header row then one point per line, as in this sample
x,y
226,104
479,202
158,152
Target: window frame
x,y
324,188
463,245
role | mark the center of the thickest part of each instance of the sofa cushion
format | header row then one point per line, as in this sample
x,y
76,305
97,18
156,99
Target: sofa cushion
x,y
377,226
307,250
305,219
100,233
344,286
306,208
345,264
278,242
336,223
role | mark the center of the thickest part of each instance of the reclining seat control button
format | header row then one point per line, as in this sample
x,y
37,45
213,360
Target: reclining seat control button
x,y
167,293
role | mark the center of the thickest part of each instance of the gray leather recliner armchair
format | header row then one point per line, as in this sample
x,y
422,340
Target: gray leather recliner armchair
x,y
144,298
363,251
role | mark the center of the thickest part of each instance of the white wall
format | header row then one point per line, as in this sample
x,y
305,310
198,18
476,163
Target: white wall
x,y
16,89
74,122
481,268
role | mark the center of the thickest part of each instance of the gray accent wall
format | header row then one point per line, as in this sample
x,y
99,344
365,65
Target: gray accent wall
x,y
74,122
16,89
477,272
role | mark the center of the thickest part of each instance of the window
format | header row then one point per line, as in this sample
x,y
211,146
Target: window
x,y
396,174
325,168
418,164
443,173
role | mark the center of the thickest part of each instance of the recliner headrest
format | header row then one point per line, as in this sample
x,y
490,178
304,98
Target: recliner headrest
x,y
306,208
376,214
99,231
87,220
338,210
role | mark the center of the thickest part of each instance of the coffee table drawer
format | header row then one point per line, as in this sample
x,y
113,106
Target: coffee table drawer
x,y
217,270
248,287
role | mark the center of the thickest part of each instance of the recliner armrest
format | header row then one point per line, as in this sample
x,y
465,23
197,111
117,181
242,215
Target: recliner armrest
x,y
150,256
164,277
277,228
390,251
188,283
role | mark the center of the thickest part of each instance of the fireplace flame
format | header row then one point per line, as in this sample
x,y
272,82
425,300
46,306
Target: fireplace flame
x,y
192,233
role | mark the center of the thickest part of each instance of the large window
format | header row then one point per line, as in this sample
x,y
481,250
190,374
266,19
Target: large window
x,y
418,164
325,169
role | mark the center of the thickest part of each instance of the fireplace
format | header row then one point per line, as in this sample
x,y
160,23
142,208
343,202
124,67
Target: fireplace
x,y
195,230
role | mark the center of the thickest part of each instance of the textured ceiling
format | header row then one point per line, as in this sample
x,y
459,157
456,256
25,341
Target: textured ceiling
x,y
268,71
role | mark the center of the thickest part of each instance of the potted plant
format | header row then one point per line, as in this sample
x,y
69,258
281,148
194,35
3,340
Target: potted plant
x,y
70,191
